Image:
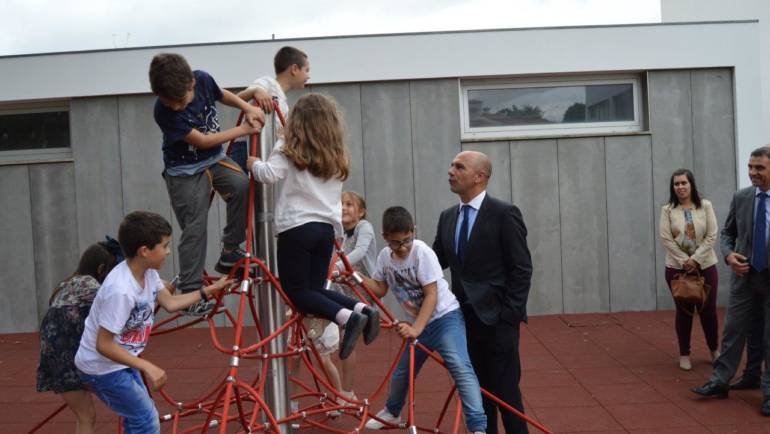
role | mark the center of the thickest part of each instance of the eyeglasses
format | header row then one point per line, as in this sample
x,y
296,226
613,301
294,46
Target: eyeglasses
x,y
397,244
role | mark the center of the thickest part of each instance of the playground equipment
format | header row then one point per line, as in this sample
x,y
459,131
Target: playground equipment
x,y
251,397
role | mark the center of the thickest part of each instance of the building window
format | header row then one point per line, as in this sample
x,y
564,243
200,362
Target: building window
x,y
528,108
30,134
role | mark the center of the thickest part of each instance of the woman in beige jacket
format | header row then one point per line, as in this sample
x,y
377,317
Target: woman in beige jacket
x,y
688,231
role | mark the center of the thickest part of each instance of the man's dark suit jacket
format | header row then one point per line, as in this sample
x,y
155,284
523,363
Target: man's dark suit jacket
x,y
738,231
495,276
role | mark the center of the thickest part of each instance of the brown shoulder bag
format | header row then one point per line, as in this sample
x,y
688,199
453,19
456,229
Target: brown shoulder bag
x,y
690,289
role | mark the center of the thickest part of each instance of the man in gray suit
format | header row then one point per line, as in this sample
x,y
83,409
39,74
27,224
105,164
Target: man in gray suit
x,y
745,248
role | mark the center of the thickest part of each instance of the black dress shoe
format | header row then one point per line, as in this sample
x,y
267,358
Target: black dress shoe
x,y
765,409
353,329
712,389
746,383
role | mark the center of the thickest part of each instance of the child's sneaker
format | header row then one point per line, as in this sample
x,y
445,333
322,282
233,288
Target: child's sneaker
x,y
199,308
349,394
385,415
372,328
228,259
353,329
341,402
334,413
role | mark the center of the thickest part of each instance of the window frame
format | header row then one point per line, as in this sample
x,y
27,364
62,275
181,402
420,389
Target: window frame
x,y
506,132
35,156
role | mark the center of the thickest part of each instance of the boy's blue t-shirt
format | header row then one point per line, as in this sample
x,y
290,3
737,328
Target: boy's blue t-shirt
x,y
200,114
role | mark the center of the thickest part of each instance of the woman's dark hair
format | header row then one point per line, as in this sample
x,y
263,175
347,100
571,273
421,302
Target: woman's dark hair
x,y
673,199
95,256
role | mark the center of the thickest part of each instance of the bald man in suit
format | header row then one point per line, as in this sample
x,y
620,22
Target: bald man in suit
x,y
483,241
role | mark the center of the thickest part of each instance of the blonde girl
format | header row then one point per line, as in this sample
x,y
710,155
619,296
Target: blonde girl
x,y
308,168
361,250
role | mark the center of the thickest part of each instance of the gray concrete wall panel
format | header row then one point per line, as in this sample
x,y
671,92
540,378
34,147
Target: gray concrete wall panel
x,y
388,155
535,180
583,203
671,125
142,161
18,298
348,97
294,95
54,227
95,131
630,223
435,141
714,148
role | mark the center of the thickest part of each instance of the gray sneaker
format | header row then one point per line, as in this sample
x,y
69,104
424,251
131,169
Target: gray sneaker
x,y
199,308
227,260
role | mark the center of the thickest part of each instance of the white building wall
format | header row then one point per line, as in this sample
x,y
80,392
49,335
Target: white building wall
x,y
424,56
718,10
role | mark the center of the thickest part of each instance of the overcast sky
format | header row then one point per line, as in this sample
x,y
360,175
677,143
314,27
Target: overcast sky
x,y
39,26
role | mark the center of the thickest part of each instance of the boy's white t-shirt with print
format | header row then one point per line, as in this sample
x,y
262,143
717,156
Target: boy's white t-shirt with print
x,y
405,278
273,88
125,309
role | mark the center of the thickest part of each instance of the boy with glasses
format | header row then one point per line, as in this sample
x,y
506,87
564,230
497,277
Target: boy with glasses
x,y
411,269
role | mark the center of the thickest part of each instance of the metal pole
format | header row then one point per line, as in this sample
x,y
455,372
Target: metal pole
x,y
269,304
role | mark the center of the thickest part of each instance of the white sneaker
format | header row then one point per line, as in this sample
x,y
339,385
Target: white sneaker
x,y
385,415
684,363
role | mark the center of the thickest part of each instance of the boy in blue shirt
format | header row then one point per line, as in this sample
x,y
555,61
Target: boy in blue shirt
x,y
411,270
195,162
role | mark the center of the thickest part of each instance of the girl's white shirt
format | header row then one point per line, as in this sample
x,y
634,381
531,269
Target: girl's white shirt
x,y
300,197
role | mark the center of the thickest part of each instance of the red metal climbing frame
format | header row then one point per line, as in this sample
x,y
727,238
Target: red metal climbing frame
x,y
237,404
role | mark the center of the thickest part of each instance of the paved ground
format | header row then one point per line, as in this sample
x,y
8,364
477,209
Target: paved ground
x,y
610,373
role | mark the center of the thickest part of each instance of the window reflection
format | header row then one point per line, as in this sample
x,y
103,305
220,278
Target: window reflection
x,y
34,130
551,105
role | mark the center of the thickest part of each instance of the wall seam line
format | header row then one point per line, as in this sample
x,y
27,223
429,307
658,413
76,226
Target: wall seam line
x,y
607,228
34,245
561,232
414,160
120,157
363,145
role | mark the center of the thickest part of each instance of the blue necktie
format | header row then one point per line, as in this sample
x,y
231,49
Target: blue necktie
x,y
462,240
759,244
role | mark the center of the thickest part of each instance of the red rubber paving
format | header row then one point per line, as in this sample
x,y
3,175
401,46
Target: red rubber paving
x,y
608,373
